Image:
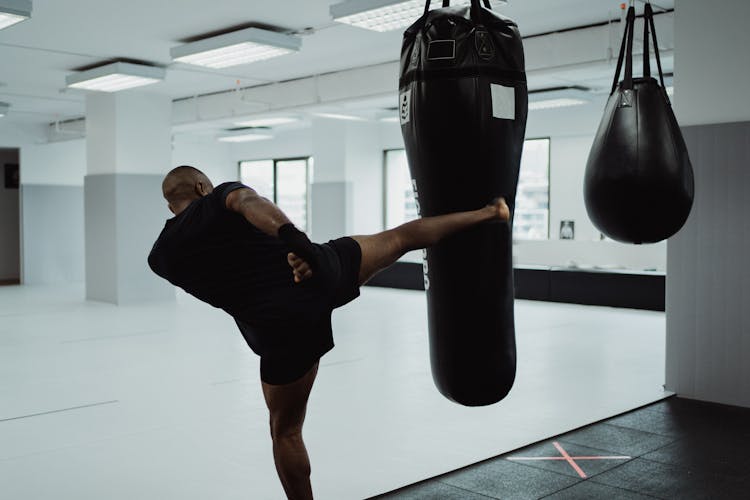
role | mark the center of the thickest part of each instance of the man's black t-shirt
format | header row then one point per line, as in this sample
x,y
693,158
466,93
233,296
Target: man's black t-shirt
x,y
216,255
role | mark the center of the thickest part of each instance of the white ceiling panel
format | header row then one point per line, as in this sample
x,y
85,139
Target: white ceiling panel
x,y
36,55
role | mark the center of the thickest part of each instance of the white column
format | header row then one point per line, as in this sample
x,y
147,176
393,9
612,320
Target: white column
x,y
708,275
128,152
347,186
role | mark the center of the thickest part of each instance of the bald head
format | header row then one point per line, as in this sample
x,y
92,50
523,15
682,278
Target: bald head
x,y
184,184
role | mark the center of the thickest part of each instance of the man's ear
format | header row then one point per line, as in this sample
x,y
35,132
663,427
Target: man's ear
x,y
171,208
200,188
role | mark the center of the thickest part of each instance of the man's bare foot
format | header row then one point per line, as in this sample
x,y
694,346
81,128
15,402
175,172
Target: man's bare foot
x,y
500,210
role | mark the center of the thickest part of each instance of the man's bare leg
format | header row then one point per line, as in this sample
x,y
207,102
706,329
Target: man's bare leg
x,y
287,405
383,249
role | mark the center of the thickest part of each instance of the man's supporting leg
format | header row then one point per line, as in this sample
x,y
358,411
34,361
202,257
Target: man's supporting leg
x,y
287,405
383,249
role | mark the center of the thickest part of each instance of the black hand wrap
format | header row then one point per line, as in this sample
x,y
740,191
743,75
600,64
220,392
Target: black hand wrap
x,y
299,243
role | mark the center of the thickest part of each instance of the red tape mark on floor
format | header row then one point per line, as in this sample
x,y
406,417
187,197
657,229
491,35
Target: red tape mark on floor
x,y
571,460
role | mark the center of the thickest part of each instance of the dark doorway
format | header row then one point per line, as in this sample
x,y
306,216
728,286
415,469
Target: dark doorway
x,y
10,218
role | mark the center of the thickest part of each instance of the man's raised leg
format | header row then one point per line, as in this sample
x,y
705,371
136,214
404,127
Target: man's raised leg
x,y
383,249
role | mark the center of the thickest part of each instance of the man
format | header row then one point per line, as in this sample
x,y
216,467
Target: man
x,y
237,251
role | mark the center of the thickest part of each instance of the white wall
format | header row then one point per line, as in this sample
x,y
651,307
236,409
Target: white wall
x,y
206,154
708,321
712,66
10,241
16,134
293,143
54,164
128,132
52,212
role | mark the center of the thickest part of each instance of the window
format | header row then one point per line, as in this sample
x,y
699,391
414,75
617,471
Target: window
x,y
400,205
531,219
282,181
532,198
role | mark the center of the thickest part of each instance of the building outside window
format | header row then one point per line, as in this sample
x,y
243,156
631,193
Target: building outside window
x,y
531,220
284,181
400,205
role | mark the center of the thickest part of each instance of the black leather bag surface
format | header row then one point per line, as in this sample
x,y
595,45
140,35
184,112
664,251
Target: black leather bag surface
x,y
463,106
638,186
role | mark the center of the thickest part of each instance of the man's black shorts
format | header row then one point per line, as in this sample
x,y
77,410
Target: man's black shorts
x,y
289,350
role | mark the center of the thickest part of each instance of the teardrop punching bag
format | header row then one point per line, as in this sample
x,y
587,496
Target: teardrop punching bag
x,y
638,186
463,107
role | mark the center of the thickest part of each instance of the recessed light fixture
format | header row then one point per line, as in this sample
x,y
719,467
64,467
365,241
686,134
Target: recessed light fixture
x,y
268,122
243,136
391,119
238,47
562,102
14,11
115,77
559,97
4,107
336,116
386,15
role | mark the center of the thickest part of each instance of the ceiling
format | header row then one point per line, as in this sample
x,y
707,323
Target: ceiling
x,y
36,55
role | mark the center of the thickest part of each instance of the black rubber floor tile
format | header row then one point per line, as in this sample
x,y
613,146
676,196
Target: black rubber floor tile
x,y
432,490
726,456
703,415
503,479
593,461
671,482
617,440
656,422
589,490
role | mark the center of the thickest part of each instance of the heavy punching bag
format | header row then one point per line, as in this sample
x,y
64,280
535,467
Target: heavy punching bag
x,y
638,186
463,107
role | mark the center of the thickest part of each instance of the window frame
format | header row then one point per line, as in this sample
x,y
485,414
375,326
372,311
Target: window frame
x,y
306,159
549,184
384,180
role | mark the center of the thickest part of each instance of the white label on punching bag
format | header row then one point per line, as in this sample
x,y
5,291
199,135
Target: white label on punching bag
x,y
425,270
405,106
503,102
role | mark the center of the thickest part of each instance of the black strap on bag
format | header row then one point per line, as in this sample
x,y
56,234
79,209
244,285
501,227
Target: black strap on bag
x,y
627,41
628,82
626,50
650,21
646,55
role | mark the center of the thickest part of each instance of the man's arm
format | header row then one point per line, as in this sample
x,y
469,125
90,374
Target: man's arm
x,y
269,218
259,211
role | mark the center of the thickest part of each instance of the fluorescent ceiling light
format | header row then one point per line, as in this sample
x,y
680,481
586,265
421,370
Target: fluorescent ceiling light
x,y
336,116
670,91
387,15
391,119
268,122
14,11
4,107
562,102
559,97
238,47
243,136
115,77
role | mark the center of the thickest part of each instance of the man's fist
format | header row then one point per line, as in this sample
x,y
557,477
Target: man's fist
x,y
300,268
